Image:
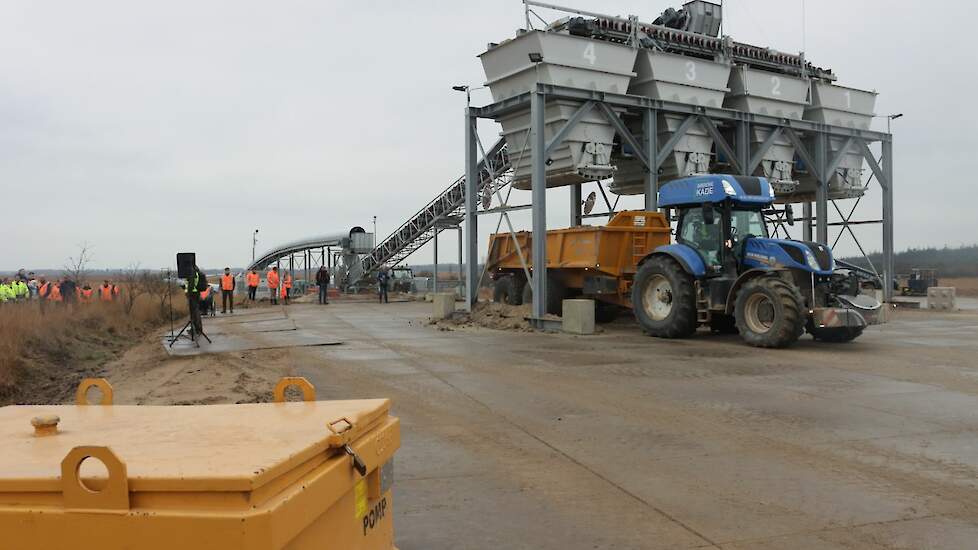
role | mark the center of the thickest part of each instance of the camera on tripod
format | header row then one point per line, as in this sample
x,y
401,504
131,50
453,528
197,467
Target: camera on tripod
x,y
196,281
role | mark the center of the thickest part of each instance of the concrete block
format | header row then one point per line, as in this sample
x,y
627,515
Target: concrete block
x,y
942,297
578,316
443,305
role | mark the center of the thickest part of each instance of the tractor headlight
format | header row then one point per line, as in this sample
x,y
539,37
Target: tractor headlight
x,y
812,261
728,189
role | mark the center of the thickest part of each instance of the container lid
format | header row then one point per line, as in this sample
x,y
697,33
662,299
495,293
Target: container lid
x,y
179,448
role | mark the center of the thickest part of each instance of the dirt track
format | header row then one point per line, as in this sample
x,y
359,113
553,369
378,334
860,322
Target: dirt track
x,y
531,440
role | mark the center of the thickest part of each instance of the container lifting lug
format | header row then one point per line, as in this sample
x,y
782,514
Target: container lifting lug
x,y
358,462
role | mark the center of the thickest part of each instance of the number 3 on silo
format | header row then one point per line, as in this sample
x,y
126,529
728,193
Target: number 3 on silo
x,y
690,70
589,53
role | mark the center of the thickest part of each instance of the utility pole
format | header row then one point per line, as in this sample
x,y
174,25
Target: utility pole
x,y
254,242
375,231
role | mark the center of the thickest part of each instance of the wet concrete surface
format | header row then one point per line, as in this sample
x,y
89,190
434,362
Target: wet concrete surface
x,y
539,441
247,330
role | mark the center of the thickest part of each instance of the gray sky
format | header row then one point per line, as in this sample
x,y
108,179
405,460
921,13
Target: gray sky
x,y
146,129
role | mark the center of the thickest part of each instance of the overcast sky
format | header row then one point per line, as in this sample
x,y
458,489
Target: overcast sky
x,y
148,128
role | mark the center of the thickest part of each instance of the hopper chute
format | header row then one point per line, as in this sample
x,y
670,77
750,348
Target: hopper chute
x,y
567,60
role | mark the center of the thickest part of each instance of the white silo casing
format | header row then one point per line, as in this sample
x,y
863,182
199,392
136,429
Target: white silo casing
x,y
776,95
681,79
572,61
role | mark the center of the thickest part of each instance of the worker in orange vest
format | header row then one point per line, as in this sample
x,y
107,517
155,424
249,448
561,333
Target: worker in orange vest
x,y
207,302
271,278
43,289
227,290
54,293
107,292
85,294
284,292
287,284
253,280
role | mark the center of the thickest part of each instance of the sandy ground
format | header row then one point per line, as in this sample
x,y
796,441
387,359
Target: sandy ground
x,y
516,439
146,375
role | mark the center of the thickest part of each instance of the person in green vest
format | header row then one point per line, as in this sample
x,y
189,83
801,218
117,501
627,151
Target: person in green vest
x,y
6,292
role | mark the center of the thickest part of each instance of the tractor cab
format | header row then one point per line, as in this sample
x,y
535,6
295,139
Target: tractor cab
x,y
721,218
726,272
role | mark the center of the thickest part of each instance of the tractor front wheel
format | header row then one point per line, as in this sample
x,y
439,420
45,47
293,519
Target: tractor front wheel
x,y
664,299
769,313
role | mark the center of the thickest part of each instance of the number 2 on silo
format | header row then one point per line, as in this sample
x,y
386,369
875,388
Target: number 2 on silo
x,y
690,70
775,85
589,53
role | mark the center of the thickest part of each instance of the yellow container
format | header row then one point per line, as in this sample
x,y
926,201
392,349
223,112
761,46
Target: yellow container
x,y
312,474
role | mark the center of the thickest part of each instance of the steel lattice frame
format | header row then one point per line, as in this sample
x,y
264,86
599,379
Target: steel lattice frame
x,y
810,139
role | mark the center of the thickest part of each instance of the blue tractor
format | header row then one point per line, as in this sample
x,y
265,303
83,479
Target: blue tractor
x,y
725,272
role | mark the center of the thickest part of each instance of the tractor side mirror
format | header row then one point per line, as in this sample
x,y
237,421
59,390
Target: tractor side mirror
x,y
708,215
789,214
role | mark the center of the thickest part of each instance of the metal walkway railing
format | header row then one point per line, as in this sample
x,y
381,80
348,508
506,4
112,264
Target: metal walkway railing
x,y
421,227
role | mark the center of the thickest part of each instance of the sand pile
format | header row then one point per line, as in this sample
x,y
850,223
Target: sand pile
x,y
490,315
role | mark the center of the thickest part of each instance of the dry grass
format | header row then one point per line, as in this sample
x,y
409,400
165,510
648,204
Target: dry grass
x,y
966,286
54,349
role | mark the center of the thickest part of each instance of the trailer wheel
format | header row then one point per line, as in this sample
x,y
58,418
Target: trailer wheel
x,y
555,295
664,299
505,292
605,312
769,313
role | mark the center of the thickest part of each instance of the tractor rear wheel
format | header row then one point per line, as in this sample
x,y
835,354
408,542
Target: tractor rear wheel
x,y
664,299
769,313
505,291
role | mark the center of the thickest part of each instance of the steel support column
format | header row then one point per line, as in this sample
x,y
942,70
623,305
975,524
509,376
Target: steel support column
x,y
743,147
434,271
458,283
575,204
538,104
471,208
821,192
806,228
888,261
650,140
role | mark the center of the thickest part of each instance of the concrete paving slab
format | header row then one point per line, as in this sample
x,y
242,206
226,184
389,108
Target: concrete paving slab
x,y
531,440
224,343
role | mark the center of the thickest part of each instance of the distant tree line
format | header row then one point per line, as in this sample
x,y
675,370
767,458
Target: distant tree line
x,y
949,262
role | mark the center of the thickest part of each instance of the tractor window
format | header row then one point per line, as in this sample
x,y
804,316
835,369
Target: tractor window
x,y
747,222
704,237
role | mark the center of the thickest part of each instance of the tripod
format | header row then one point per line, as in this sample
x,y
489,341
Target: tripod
x,y
194,320
189,334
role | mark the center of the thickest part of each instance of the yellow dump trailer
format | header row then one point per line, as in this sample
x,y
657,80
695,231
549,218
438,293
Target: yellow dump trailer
x,y
595,261
299,475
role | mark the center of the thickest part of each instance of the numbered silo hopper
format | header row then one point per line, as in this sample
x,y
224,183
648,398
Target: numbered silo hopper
x,y
572,61
771,94
837,106
681,79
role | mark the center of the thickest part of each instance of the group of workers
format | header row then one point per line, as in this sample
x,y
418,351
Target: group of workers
x,y
279,287
26,287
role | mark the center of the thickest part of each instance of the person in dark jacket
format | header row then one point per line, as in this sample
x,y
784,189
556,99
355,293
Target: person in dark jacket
x,y
383,279
69,291
196,283
322,281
